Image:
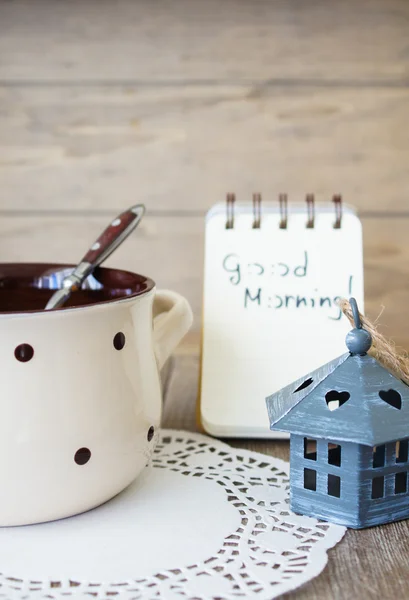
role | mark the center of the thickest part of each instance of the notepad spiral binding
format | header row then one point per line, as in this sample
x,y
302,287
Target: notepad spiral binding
x,y
283,207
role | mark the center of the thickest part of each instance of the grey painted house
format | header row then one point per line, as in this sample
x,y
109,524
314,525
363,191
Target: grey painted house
x,y
349,426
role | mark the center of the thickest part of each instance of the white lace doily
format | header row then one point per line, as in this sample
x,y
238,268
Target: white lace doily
x,y
204,521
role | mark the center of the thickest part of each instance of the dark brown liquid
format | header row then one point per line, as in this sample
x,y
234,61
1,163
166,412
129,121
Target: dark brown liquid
x,y
25,287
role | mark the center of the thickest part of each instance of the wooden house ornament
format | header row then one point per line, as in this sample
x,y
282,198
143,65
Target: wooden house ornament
x,y
349,430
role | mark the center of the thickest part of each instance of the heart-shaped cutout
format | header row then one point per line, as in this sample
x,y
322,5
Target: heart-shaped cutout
x,y
335,399
391,397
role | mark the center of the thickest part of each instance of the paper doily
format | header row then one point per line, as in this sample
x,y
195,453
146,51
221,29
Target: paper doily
x,y
204,521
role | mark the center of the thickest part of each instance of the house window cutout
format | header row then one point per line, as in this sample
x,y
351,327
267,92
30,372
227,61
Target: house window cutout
x,y
334,455
391,397
304,385
401,483
378,457
310,449
378,487
401,451
334,486
310,479
335,399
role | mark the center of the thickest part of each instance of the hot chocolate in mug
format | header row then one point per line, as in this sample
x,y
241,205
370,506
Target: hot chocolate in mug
x,y
80,398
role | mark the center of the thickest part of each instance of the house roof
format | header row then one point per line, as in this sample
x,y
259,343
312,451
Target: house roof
x,y
373,403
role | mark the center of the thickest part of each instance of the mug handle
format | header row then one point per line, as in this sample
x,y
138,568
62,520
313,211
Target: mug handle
x,y
172,319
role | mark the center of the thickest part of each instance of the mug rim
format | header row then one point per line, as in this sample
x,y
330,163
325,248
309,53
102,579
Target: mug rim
x,y
36,270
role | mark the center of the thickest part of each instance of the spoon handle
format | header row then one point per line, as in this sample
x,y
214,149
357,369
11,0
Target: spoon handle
x,y
114,235
107,242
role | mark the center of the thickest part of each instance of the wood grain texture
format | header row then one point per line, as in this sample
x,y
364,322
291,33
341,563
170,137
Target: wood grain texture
x,y
218,41
183,148
367,564
170,250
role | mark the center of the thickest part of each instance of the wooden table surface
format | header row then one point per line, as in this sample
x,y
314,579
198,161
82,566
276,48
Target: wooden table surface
x,y
173,103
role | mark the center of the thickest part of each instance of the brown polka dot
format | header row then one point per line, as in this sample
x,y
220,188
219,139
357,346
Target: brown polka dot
x,y
24,352
82,456
119,340
151,433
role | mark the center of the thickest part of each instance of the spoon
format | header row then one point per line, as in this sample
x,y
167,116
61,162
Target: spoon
x,y
108,241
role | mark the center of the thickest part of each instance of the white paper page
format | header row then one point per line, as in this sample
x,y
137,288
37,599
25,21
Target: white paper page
x,y
270,313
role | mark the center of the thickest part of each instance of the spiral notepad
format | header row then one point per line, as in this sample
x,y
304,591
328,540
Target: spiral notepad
x,y
273,275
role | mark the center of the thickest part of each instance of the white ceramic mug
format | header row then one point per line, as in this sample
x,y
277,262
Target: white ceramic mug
x,y
80,396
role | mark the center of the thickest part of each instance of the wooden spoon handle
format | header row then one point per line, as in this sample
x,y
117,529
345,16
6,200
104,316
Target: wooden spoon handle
x,y
114,235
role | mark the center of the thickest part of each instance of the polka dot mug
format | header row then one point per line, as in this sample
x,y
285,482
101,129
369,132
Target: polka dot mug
x,y
80,387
